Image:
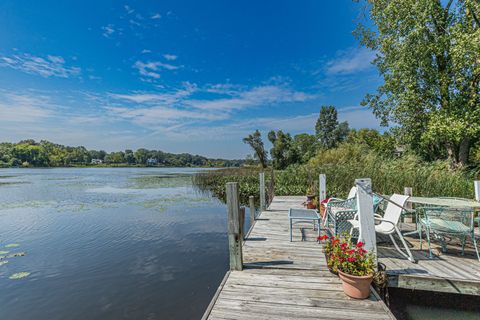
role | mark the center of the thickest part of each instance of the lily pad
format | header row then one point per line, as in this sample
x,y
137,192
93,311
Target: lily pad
x,y
19,275
4,252
12,245
13,255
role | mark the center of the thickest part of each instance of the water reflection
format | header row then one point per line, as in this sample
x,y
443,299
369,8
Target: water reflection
x,y
126,243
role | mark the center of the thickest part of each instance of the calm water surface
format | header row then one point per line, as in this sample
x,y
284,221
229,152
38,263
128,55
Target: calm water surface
x,y
108,243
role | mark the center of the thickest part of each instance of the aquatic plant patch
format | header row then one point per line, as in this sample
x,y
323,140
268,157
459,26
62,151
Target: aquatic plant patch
x,y
19,275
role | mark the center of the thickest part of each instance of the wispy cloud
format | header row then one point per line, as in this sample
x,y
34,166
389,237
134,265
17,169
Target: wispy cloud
x,y
156,16
49,66
128,9
170,57
175,110
150,69
24,107
351,61
108,30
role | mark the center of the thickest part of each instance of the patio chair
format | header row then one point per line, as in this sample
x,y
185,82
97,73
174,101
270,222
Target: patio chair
x,y
446,221
388,224
339,211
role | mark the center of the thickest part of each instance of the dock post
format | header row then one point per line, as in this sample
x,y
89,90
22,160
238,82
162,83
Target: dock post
x,y
366,214
251,202
322,188
234,232
476,184
408,192
242,222
262,191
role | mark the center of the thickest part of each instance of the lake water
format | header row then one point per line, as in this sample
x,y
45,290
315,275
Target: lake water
x,y
108,243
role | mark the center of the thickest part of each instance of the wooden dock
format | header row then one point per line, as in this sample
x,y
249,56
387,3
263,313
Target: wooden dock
x,y
286,280
449,272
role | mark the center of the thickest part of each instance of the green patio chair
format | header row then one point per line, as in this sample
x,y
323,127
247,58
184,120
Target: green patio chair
x,y
445,221
339,211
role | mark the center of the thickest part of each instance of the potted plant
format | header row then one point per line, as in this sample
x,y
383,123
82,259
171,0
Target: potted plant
x,y
355,266
311,202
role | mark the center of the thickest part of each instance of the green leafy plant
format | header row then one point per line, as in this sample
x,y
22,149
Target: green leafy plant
x,y
343,255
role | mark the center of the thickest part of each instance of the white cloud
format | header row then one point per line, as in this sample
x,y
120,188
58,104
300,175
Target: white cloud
x,y
170,57
156,16
23,108
351,61
51,66
146,51
108,30
259,96
128,9
149,69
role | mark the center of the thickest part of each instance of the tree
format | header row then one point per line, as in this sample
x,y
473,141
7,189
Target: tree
x,y
329,132
254,140
283,153
382,143
305,145
428,53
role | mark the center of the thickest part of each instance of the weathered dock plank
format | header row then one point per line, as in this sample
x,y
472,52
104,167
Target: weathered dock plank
x,y
286,280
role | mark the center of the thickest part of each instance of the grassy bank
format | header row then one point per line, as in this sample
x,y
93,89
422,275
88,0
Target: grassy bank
x,y
342,166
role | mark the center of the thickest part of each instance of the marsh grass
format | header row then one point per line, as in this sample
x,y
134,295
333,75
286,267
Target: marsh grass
x,y
342,166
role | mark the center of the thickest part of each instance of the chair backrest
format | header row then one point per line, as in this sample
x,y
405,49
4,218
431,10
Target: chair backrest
x,y
352,193
449,219
395,207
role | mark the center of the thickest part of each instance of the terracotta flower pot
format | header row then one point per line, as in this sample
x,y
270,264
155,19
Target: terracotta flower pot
x,y
357,287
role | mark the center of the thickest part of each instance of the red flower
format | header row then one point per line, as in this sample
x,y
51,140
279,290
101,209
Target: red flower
x,y
324,237
334,242
360,244
351,259
351,251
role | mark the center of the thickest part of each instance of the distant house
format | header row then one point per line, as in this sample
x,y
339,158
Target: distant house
x,y
96,161
152,162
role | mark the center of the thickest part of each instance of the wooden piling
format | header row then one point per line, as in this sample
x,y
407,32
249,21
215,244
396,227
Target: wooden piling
x,y
234,232
251,202
262,191
408,191
242,222
322,187
476,185
365,214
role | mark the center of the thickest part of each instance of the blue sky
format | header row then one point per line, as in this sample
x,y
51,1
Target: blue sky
x,y
180,76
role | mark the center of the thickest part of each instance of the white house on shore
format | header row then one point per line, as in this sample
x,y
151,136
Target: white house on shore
x,y
96,161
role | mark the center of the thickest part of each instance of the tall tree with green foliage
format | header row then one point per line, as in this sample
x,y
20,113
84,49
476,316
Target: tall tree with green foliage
x,y
283,152
329,132
428,52
255,141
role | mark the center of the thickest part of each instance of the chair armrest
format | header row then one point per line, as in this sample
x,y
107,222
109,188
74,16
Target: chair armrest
x,y
387,221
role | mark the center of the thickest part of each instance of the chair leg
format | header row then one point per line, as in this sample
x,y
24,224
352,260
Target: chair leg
x,y
475,244
420,237
427,232
409,254
464,240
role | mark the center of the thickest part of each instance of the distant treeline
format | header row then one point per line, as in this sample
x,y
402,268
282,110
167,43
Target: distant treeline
x,y
29,153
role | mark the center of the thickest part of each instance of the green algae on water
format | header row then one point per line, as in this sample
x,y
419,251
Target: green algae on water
x,y
19,275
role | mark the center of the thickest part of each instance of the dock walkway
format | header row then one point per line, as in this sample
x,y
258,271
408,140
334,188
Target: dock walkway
x,y
286,280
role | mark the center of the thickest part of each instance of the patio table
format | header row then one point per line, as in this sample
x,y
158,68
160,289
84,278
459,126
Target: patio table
x,y
457,203
304,215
